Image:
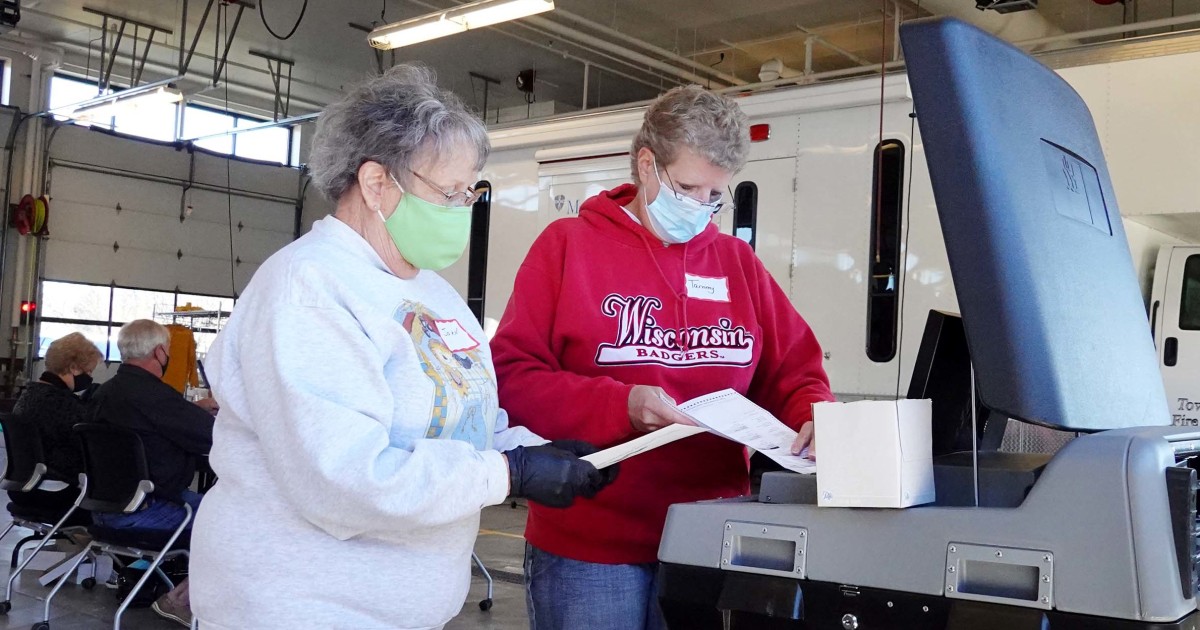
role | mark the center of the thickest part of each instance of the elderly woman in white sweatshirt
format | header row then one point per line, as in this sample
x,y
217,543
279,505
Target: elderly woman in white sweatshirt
x,y
360,434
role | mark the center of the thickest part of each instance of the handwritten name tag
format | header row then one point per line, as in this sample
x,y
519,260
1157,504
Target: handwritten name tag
x,y
704,288
456,338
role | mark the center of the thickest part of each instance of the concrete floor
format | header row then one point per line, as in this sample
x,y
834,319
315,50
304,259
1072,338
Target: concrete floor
x,y
500,546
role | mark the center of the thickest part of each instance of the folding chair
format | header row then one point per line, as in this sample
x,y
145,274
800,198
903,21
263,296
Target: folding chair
x,y
485,604
116,479
26,472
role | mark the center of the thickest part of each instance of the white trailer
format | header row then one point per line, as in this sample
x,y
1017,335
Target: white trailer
x,y
826,234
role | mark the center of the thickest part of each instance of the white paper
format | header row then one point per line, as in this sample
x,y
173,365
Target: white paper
x,y
727,414
648,442
706,288
732,416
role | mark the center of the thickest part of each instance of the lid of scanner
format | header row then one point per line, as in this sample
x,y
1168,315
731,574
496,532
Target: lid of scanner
x,y
1054,317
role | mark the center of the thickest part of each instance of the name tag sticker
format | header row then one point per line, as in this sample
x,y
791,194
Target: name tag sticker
x,y
704,288
456,338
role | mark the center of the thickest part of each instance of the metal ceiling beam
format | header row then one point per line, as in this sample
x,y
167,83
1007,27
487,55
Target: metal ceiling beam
x,y
595,44
275,66
561,52
152,27
220,57
616,49
834,47
1192,18
664,53
790,34
601,54
135,73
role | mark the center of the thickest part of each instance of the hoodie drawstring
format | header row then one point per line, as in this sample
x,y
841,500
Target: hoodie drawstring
x,y
679,297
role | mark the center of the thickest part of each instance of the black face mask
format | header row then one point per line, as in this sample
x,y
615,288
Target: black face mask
x,y
82,382
164,364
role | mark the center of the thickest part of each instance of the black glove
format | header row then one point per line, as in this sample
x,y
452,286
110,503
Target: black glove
x,y
551,476
579,448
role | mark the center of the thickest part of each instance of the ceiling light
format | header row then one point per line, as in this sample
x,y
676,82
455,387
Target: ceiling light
x,y
456,20
122,103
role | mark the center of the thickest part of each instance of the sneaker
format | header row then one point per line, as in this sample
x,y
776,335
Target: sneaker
x,y
170,610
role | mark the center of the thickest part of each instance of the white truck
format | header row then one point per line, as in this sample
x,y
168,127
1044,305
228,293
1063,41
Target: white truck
x,y
1175,319
864,265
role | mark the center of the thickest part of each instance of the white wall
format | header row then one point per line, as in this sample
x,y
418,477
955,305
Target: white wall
x,y
1145,113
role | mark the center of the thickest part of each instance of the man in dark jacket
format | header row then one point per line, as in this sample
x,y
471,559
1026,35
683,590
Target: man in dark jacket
x,y
173,430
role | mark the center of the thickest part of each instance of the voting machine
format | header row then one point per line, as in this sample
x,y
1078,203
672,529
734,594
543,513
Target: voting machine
x,y
1101,535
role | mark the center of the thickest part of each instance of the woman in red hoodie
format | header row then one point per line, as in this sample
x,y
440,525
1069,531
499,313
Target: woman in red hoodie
x,y
638,303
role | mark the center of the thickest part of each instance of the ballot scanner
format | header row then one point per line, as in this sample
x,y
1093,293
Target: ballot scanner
x,y
1100,535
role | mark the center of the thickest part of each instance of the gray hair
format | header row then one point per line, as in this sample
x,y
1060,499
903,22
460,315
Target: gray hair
x,y
138,339
690,117
390,119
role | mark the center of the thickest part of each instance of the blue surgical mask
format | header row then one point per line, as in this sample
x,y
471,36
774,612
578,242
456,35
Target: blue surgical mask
x,y
676,218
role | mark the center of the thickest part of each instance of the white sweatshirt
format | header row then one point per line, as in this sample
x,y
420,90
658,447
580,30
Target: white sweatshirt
x,y
359,437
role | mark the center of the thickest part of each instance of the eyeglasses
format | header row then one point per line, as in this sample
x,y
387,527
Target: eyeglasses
x,y
716,201
454,199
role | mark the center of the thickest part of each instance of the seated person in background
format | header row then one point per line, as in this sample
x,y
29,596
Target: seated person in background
x,y
173,430
51,404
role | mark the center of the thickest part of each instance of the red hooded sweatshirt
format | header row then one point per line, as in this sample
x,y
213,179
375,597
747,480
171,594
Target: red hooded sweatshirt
x,y
600,305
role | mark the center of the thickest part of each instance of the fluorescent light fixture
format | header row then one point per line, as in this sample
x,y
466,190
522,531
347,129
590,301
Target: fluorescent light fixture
x,y
496,11
456,20
415,31
122,103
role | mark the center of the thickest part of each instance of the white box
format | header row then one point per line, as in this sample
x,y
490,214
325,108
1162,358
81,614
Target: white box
x,y
874,453
100,570
48,557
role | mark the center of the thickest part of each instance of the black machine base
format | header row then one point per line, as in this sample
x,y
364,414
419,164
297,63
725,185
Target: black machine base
x,y
700,598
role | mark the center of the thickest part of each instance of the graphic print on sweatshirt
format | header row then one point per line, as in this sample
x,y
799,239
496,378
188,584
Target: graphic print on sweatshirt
x,y
464,389
640,340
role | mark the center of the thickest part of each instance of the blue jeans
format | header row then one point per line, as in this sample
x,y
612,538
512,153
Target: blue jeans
x,y
160,514
566,594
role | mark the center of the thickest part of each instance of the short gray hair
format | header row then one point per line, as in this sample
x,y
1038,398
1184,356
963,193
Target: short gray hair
x,y
138,339
690,117
389,119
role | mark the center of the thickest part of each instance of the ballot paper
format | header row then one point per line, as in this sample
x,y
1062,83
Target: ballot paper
x,y
733,417
648,442
725,413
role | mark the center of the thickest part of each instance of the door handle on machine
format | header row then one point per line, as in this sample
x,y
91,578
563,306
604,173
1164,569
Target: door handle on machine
x,y
1170,351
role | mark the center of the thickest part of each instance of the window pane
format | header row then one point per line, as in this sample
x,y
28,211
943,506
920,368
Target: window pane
x,y
1189,306
51,331
64,91
745,212
198,121
74,301
204,341
154,120
268,145
131,304
209,322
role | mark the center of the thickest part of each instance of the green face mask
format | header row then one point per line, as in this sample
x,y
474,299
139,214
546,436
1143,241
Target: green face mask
x,y
429,236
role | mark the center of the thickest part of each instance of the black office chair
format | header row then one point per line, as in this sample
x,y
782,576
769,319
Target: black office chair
x,y
116,479
26,473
